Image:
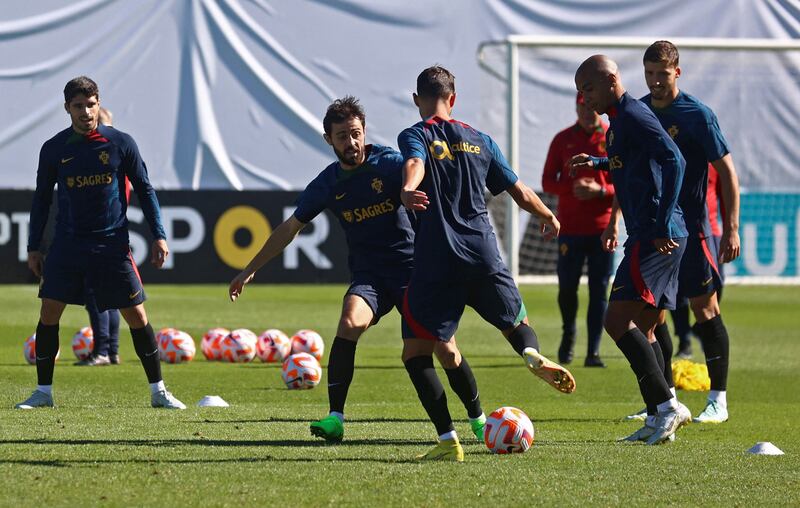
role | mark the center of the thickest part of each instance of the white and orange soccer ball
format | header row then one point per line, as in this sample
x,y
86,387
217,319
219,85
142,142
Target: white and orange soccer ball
x,y
176,347
239,346
508,430
83,343
273,346
308,341
163,335
210,345
301,371
29,350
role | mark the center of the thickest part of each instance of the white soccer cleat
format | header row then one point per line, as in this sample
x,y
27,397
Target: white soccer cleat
x,y
712,413
637,416
163,398
37,399
668,423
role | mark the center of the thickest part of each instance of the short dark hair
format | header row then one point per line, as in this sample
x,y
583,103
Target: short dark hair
x,y
342,110
662,51
436,82
80,85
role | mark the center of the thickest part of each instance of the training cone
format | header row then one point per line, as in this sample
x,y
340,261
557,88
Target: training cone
x,y
765,448
212,401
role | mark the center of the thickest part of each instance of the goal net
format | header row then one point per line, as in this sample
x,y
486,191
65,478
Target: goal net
x,y
753,85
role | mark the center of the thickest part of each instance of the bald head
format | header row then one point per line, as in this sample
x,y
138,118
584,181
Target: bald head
x,y
598,80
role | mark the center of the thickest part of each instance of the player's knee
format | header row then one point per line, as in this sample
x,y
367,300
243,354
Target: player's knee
x,y
449,357
50,313
704,307
135,316
351,328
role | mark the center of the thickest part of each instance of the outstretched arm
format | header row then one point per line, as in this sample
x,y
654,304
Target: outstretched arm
x,y
609,237
274,245
529,201
729,182
413,173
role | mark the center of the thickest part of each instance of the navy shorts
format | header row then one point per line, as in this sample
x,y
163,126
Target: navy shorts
x,y
74,268
699,273
381,292
646,275
432,309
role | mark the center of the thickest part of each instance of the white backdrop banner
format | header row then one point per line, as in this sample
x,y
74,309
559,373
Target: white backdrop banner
x,y
229,94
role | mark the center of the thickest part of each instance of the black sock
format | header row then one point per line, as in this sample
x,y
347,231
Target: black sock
x,y
664,340
430,392
462,381
714,337
523,336
680,317
144,342
643,362
340,372
651,408
46,351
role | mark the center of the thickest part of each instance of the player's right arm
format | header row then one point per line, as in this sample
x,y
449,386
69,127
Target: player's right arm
x,y
609,237
412,147
586,161
40,209
274,245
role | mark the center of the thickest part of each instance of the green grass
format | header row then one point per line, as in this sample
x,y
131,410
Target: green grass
x,y
104,445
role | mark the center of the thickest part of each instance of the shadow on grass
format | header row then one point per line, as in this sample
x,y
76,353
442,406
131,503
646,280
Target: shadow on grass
x,y
201,441
308,420
243,460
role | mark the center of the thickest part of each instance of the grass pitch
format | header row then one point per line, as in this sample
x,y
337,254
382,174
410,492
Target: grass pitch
x,y
103,444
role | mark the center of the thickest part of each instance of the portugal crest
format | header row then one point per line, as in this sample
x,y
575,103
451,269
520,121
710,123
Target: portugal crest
x,y
348,215
673,131
377,185
70,181
104,158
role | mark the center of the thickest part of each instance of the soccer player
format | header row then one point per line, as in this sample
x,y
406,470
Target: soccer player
x,y
90,251
696,131
105,325
584,208
362,188
647,169
456,260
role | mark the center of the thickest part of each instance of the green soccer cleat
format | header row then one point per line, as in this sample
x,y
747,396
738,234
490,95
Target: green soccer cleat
x,y
330,428
712,413
37,399
446,450
477,425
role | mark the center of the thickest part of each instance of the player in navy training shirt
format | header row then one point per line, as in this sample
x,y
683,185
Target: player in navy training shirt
x,y
647,170
448,164
362,189
90,251
696,131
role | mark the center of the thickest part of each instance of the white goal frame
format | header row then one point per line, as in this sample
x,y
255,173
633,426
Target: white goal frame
x,y
512,239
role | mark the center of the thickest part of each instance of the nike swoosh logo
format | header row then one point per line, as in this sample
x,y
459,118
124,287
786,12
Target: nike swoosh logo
x,y
706,283
64,161
617,288
340,196
134,295
42,357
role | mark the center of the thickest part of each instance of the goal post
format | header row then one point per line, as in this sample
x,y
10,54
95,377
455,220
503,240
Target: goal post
x,y
733,76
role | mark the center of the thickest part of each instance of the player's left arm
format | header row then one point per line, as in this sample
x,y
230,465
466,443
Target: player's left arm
x,y
136,171
501,177
729,185
412,147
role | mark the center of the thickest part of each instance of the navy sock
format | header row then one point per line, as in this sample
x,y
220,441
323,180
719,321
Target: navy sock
x,y
650,376
46,351
341,364
716,345
144,342
430,392
462,381
523,337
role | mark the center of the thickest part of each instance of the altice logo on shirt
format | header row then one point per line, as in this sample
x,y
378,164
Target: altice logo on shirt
x,y
441,150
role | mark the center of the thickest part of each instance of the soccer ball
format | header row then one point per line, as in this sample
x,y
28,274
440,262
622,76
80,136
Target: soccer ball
x,y
29,350
176,347
273,346
163,336
210,345
508,430
308,341
83,343
301,371
239,346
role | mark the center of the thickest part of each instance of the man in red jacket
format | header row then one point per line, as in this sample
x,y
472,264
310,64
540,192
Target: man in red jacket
x,y
584,209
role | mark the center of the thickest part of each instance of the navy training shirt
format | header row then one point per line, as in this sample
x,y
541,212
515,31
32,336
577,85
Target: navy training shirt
x,y
695,129
366,201
647,170
90,171
460,162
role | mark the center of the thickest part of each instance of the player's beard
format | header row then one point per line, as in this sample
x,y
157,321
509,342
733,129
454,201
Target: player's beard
x,y
349,157
659,93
